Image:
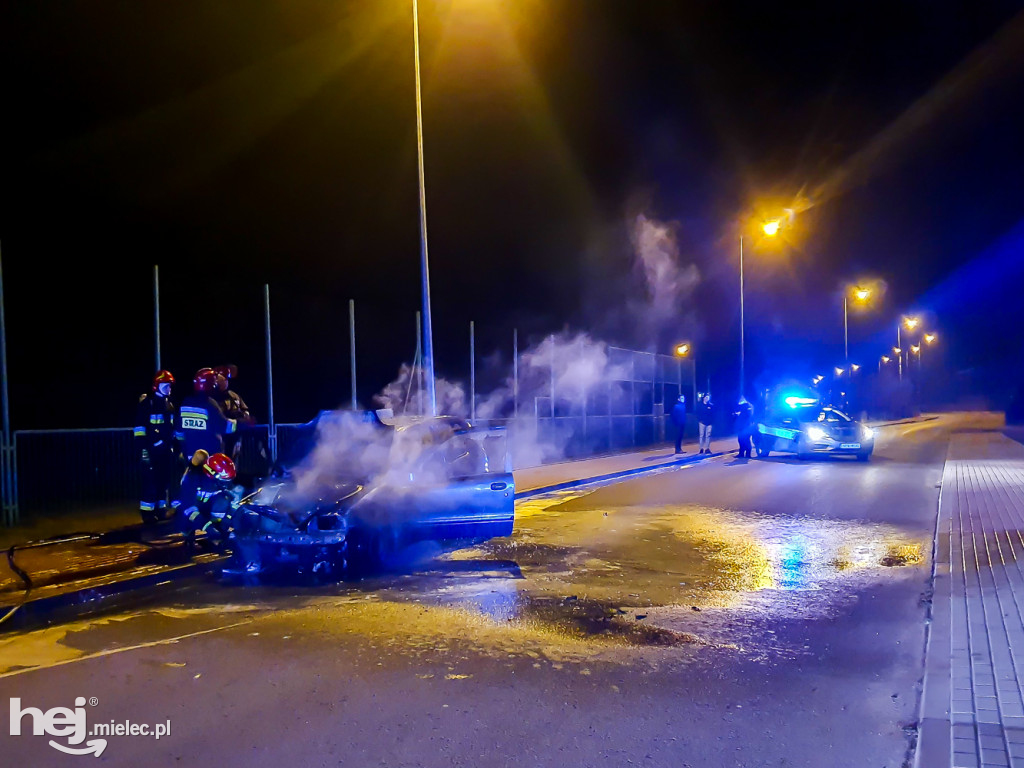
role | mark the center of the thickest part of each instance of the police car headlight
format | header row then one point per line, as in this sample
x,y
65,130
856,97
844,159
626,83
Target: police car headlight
x,y
866,433
816,433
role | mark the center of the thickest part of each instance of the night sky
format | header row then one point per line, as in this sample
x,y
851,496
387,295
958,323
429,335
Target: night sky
x,y
243,143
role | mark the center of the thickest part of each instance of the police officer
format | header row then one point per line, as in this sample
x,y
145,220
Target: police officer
x,y
679,421
202,423
206,499
157,446
744,415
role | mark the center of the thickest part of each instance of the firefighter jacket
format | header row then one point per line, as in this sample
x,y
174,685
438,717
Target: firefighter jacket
x,y
203,424
155,423
234,407
203,498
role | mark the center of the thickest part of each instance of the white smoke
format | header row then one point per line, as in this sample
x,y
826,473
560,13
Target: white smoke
x,y
404,395
668,282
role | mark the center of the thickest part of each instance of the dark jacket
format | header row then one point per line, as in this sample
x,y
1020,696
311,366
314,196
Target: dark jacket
x,y
203,424
679,414
202,498
233,406
155,423
706,413
744,419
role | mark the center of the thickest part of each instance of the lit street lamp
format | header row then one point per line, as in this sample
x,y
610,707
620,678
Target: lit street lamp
x,y
770,229
685,349
882,359
859,294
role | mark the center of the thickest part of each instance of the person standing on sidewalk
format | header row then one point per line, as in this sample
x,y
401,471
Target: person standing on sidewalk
x,y
705,417
744,416
156,442
679,421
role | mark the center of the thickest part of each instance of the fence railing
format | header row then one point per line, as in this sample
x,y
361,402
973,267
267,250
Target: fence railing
x,y
59,471
63,470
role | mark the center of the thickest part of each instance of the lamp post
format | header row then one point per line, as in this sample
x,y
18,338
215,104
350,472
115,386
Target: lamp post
x,y
770,229
859,294
686,350
428,329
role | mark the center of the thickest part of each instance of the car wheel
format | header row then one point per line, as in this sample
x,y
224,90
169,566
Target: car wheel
x,y
764,447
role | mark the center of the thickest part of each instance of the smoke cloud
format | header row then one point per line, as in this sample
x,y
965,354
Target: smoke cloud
x,y
667,282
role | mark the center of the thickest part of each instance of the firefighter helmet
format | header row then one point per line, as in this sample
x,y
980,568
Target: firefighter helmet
x,y
229,372
205,380
220,467
162,377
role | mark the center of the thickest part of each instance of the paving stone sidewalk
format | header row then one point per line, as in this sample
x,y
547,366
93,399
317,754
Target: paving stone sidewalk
x,y
972,707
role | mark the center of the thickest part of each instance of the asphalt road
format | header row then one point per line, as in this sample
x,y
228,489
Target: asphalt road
x,y
761,613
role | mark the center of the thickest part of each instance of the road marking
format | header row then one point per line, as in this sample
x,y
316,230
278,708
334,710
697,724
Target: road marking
x,y
112,651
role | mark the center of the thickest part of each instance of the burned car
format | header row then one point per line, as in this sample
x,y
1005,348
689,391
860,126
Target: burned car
x,y
370,490
803,426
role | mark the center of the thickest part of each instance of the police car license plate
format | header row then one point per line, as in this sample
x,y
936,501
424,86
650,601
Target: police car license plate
x,y
849,445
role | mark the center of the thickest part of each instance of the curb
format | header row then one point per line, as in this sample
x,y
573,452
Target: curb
x,y
694,459
76,602
916,420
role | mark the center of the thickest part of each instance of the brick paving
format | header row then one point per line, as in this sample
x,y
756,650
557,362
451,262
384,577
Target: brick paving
x,y
972,709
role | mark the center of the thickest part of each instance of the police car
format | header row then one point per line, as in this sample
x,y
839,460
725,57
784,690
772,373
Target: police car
x,y
803,426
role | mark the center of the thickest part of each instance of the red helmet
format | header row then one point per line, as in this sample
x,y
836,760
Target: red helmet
x,y
162,377
220,467
229,372
205,380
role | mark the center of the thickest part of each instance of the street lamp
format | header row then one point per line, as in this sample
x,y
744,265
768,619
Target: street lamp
x,y
859,294
771,229
685,349
428,329
882,359
911,323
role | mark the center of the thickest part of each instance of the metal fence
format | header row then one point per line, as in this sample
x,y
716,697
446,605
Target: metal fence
x,y
60,470
629,411
64,470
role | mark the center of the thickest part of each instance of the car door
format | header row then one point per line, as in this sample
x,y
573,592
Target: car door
x,y
450,495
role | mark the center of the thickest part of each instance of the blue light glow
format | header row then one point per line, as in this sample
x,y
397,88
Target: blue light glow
x,y
793,401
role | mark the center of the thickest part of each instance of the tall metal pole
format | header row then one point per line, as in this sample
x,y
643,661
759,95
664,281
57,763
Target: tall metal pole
x,y
515,372
156,313
271,424
846,334
418,368
472,370
9,498
693,383
743,348
899,346
428,333
552,337
352,348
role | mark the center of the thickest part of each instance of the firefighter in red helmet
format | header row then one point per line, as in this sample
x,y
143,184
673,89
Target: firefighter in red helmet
x,y
157,446
201,421
206,498
232,405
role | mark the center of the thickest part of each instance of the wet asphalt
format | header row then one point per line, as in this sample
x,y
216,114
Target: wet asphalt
x,y
729,613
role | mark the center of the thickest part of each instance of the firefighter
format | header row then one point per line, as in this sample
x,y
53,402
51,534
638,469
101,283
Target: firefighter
x,y
206,499
233,406
201,421
157,445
